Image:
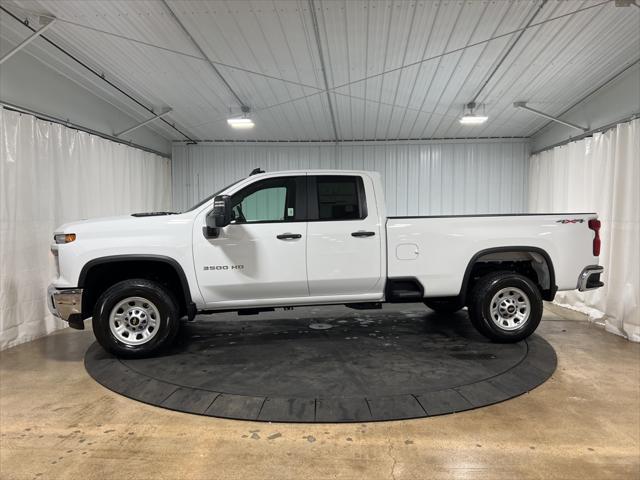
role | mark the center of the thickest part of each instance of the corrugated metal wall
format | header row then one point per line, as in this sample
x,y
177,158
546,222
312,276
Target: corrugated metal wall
x,y
428,178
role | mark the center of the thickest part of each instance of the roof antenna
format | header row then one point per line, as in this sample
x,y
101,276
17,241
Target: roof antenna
x,y
256,171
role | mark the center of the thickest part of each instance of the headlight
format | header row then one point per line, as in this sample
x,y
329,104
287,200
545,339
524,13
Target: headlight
x,y
64,237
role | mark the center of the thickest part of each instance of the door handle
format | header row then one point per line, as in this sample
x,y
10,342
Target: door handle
x,y
288,236
362,233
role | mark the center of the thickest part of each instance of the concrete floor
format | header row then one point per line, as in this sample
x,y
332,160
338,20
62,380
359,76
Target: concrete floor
x,y
584,423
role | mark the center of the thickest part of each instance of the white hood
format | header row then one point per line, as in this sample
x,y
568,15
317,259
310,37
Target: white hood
x,y
126,224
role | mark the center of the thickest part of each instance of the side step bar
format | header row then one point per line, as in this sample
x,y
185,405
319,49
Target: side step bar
x,y
406,289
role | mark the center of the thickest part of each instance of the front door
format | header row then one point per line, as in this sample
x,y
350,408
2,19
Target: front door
x,y
262,253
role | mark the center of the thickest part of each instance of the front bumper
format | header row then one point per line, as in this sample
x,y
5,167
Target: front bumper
x,y
589,279
66,304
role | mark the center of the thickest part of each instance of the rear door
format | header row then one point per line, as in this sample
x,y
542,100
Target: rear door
x,y
344,239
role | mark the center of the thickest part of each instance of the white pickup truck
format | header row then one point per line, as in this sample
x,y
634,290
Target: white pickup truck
x,y
321,237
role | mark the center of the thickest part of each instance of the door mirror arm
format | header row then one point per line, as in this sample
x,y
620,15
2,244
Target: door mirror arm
x,y
210,232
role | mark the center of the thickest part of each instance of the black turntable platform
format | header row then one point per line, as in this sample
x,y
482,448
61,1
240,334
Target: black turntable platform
x,y
329,364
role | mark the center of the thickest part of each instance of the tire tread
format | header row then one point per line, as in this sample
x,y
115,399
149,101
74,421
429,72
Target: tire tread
x,y
169,311
482,292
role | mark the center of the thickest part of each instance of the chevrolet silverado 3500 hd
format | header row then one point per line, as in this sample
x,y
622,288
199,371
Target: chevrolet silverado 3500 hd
x,y
321,237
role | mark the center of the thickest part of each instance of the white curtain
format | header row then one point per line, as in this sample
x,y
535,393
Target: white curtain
x,y
49,175
600,174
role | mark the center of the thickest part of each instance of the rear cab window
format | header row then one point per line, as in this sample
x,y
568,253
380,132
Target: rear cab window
x,y
337,197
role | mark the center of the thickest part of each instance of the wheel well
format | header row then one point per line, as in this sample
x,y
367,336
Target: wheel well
x,y
97,278
534,264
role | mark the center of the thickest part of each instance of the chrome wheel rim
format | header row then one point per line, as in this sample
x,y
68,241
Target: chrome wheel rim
x,y
134,321
510,309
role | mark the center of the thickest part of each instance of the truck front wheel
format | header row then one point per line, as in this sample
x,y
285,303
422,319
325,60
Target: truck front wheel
x,y
505,306
135,318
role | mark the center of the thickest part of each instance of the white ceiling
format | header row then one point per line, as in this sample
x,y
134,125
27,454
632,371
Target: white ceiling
x,y
395,69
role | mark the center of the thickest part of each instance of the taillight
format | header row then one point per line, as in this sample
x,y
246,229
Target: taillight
x,y
595,226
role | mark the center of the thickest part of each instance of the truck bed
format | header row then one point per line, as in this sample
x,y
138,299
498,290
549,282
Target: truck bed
x,y
438,249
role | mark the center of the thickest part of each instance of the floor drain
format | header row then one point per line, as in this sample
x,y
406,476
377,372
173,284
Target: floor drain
x,y
320,326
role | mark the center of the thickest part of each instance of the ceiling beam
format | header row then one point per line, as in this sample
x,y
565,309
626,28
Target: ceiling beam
x,y
67,123
100,75
29,39
215,69
589,133
439,55
509,50
142,124
316,31
592,92
523,106
177,52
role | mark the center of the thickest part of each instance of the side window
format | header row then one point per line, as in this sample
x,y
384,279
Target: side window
x,y
271,200
340,198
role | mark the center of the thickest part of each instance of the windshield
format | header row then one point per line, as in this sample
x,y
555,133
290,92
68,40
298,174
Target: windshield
x,y
202,202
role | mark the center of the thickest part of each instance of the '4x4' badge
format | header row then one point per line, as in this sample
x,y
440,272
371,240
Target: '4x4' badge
x,y
573,220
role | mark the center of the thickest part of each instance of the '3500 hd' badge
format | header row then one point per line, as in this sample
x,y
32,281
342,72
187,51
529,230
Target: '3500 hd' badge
x,y
223,267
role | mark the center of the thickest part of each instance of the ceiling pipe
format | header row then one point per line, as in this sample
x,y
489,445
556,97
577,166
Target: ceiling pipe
x,y
48,23
523,106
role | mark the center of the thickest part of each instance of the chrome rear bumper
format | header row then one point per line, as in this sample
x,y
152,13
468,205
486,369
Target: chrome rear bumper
x,y
590,278
65,303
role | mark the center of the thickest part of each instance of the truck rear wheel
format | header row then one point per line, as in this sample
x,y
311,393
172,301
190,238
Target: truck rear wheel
x,y
444,306
135,318
505,307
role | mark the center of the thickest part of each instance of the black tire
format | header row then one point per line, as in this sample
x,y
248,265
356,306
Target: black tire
x,y
480,307
444,306
167,321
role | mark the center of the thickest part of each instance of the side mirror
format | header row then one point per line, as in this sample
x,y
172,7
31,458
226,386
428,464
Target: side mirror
x,y
221,212
219,217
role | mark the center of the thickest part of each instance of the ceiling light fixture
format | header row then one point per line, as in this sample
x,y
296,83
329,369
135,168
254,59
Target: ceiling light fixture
x,y
240,122
470,117
243,122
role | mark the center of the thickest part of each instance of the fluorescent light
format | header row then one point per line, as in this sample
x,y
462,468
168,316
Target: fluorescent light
x,y
240,123
472,119
469,115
